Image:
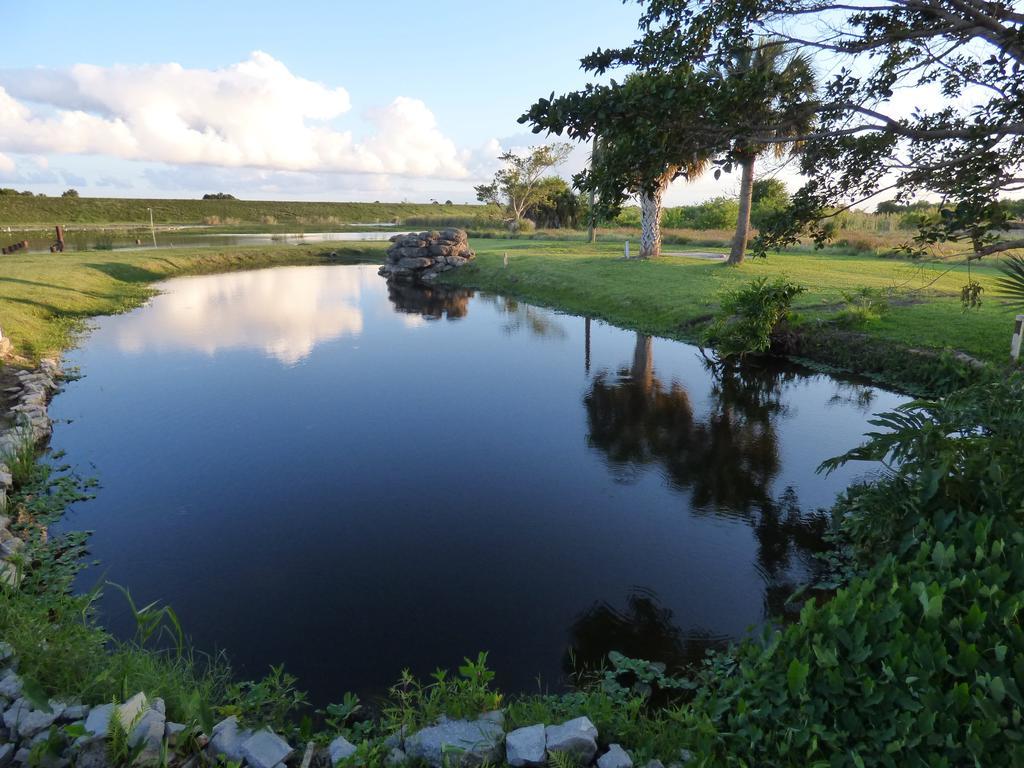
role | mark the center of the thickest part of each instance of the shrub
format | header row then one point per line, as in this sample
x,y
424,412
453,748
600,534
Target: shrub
x,y
918,660
749,315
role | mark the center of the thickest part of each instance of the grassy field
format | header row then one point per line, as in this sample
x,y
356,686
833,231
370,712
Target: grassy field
x,y
670,296
45,298
20,211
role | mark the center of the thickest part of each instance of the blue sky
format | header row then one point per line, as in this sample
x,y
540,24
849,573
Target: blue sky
x,y
472,67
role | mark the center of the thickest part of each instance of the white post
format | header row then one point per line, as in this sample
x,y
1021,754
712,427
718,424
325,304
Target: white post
x,y
152,229
1018,334
627,249
505,260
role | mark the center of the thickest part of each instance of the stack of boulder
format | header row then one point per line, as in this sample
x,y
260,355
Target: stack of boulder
x,y
425,255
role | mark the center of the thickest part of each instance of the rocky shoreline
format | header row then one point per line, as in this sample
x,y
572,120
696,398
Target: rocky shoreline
x,y
24,421
59,734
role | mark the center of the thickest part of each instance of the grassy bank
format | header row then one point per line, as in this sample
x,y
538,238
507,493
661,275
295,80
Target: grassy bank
x,y
16,210
45,299
914,305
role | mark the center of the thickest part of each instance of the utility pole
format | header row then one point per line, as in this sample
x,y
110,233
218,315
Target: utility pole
x,y
152,228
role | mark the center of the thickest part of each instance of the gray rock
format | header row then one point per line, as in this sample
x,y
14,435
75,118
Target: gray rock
x,y
456,743
577,737
22,756
33,721
6,651
10,686
615,757
685,756
92,755
395,758
172,731
265,749
526,747
6,755
98,720
149,735
340,749
74,712
396,739
227,739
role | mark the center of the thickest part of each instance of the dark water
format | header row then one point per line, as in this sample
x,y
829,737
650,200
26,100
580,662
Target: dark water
x,y
315,470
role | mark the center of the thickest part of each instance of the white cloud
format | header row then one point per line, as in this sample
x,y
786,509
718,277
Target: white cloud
x,y
6,164
254,114
284,312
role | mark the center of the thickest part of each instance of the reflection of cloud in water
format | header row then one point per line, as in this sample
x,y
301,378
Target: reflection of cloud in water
x,y
284,312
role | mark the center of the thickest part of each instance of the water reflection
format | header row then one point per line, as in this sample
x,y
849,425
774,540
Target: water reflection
x,y
282,312
538,322
727,459
644,629
429,301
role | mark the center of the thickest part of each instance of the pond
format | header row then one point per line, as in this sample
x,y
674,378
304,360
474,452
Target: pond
x,y
137,239
317,469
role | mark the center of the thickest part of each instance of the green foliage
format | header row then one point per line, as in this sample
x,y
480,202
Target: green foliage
x,y
719,213
120,750
69,193
1011,285
918,660
862,305
466,695
520,184
750,314
21,458
272,701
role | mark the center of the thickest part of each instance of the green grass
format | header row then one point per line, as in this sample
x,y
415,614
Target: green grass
x,y
16,210
672,296
46,298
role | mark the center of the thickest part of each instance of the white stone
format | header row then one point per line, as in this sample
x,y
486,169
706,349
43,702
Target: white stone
x,y
577,737
148,734
6,754
32,721
265,749
227,739
98,720
129,713
526,747
615,757
340,749
457,743
10,686
395,758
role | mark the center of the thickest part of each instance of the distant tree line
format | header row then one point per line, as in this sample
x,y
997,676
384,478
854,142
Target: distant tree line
x,y
218,196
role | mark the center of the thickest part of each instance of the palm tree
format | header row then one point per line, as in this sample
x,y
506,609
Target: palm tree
x,y
650,197
774,90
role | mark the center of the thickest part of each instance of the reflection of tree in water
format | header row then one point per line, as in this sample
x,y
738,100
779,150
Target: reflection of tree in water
x,y
859,396
644,630
538,321
431,301
728,460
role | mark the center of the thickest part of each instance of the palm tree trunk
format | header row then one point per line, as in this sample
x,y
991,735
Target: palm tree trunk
x,y
643,363
592,229
650,223
739,242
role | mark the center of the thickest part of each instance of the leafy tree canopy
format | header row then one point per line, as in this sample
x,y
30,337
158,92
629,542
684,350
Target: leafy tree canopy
x,y
518,185
965,149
